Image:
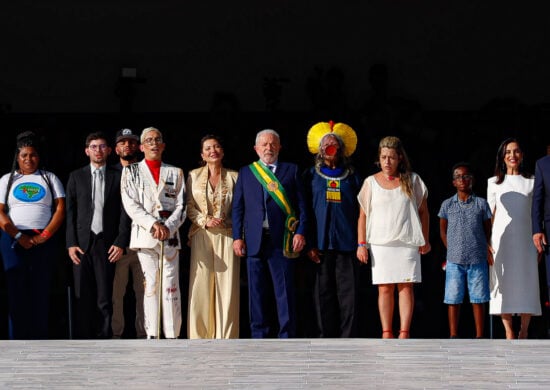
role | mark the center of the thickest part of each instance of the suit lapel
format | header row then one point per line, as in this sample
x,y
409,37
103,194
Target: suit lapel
x,y
87,181
157,188
108,182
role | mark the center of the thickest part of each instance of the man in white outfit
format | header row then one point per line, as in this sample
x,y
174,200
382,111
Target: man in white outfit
x,y
153,195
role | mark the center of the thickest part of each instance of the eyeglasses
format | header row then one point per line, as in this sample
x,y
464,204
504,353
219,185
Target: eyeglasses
x,y
462,177
96,147
153,141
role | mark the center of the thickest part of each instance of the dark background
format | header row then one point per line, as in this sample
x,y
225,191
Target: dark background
x,y
452,80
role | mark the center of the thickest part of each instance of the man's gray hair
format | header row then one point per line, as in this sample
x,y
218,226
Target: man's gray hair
x,y
146,131
266,131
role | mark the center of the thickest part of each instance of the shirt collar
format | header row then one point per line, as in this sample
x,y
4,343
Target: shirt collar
x,y
101,168
469,200
274,165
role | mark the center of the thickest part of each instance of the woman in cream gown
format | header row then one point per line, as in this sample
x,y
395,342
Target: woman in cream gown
x,y
514,275
213,310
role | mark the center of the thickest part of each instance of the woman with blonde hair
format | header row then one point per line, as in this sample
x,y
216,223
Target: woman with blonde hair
x,y
394,225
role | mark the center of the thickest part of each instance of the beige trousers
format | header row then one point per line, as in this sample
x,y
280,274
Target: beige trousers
x,y
214,286
129,263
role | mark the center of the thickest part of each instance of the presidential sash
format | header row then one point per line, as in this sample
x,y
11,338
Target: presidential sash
x,y
274,188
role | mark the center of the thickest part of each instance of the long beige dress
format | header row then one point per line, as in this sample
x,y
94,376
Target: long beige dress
x,y
213,309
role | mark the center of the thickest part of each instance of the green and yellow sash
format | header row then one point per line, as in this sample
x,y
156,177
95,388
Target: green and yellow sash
x,y
274,188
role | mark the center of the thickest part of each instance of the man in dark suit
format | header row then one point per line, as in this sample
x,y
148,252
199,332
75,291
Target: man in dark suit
x,y
268,227
540,211
96,237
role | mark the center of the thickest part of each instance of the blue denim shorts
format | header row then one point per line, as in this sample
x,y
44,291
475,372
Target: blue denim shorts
x,y
473,276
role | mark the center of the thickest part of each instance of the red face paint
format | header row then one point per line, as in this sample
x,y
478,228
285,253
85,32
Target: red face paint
x,y
331,150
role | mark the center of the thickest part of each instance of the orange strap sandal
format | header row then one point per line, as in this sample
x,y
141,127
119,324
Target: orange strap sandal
x,y
387,334
403,334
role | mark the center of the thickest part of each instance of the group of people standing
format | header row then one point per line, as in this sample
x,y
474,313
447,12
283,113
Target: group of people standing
x,y
126,219
494,244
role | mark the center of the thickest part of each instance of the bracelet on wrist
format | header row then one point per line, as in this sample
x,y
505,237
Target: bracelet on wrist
x,y
45,234
362,244
17,236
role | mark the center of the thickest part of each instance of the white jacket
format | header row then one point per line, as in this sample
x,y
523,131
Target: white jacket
x,y
143,199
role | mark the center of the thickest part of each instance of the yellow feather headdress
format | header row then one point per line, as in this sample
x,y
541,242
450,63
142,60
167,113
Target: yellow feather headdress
x,y
318,131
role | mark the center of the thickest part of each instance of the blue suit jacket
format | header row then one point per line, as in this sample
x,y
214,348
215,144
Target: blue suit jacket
x,y
540,209
248,207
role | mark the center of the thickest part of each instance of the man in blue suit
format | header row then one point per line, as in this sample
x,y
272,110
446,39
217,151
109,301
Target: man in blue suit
x,y
269,228
540,211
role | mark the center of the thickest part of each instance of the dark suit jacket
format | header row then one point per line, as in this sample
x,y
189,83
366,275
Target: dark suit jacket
x,y
540,210
248,207
116,230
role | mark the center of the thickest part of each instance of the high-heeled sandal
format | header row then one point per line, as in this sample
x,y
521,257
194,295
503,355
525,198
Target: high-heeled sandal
x,y
389,332
405,333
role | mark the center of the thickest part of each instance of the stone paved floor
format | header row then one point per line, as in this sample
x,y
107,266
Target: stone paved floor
x,y
275,364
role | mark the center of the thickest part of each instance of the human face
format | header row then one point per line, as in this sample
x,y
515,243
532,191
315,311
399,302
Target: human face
x,y
28,160
389,161
127,149
329,150
98,150
463,179
267,148
512,158
212,152
153,146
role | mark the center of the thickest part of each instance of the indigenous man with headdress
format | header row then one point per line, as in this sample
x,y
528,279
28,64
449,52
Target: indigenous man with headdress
x,y
332,186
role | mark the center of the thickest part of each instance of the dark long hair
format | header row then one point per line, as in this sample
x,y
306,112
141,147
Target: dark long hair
x,y
24,140
500,165
218,139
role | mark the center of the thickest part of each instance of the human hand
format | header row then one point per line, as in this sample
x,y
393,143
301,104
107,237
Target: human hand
x,y
214,222
239,247
74,252
539,239
363,254
160,232
24,241
298,242
425,248
115,253
490,257
314,255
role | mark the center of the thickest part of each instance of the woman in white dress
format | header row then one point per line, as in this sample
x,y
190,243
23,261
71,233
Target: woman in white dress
x,y
213,307
394,222
514,275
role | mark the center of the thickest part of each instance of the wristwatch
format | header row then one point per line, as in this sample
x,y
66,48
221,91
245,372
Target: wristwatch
x,y
17,236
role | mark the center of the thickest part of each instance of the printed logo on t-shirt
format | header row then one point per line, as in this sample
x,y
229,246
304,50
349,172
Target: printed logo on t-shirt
x,y
29,192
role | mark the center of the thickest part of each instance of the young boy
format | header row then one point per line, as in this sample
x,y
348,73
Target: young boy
x,y
465,228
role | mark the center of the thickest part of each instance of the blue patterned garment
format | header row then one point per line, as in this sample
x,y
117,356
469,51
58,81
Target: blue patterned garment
x,y
466,241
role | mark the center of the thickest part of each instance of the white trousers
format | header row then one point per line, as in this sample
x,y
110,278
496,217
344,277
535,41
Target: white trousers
x,y
171,297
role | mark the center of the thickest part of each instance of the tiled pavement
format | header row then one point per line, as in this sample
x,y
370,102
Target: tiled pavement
x,y
275,364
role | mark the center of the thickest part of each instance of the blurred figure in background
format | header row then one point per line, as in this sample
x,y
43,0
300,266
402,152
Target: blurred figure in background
x,y
127,149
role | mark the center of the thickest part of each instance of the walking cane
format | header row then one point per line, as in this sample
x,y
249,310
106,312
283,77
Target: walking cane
x,y
161,270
